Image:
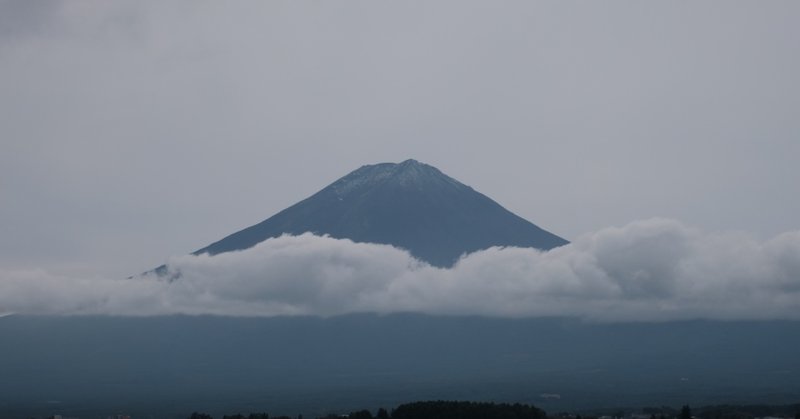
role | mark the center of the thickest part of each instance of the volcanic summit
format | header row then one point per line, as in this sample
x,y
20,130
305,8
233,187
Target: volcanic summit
x,y
410,205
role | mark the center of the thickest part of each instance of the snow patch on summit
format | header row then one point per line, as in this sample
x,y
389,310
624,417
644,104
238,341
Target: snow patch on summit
x,y
365,176
409,173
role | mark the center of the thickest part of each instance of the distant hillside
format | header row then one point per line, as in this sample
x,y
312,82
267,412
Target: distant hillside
x,y
292,365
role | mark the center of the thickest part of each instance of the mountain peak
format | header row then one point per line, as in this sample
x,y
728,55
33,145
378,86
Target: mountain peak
x,y
409,165
411,205
411,162
409,173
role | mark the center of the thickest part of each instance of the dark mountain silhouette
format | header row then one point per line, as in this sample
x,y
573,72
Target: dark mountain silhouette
x,y
410,205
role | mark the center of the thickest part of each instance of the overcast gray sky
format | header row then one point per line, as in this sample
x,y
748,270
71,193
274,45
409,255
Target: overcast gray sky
x,y
134,131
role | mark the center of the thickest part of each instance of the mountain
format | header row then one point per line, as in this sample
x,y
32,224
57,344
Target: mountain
x,y
410,205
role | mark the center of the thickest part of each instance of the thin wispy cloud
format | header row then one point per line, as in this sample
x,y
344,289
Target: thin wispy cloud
x,y
651,270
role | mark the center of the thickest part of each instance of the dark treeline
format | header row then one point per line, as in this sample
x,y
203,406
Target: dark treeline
x,y
422,410
479,410
726,412
466,410
748,411
706,412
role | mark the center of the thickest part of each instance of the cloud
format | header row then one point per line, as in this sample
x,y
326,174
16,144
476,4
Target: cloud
x,y
651,270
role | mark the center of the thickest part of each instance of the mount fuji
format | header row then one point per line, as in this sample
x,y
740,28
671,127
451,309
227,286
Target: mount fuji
x,y
410,205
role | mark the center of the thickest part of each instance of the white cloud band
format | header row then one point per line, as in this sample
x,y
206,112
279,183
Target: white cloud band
x,y
650,270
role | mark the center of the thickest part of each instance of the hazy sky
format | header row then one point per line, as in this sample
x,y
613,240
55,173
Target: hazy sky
x,y
134,131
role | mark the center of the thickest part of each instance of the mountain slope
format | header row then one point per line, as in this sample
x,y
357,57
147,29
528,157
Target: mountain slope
x,y
409,205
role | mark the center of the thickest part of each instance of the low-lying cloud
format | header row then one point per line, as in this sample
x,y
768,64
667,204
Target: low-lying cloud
x,y
652,270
